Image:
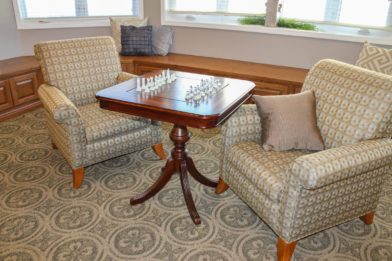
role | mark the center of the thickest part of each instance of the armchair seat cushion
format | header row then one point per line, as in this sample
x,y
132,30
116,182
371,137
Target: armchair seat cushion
x,y
267,170
104,124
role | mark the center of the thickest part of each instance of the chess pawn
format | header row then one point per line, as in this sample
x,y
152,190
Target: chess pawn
x,y
167,75
188,96
138,85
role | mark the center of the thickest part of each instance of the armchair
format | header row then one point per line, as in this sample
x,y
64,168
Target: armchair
x,y
74,70
299,193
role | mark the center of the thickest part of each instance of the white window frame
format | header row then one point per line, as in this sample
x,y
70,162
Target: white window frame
x,y
71,22
383,40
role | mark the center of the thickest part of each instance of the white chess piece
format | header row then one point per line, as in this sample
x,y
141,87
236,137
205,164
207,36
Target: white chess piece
x,y
138,85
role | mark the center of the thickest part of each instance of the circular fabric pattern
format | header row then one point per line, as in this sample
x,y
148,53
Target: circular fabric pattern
x,y
18,228
23,197
381,251
236,216
4,157
135,240
39,114
356,228
80,248
75,217
65,191
196,149
183,230
64,169
8,128
153,172
39,125
7,142
171,198
30,174
37,138
206,254
321,241
207,166
216,143
34,154
259,247
148,155
384,210
121,209
118,162
22,253
120,181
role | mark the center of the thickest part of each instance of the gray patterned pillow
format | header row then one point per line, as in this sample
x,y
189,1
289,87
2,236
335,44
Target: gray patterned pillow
x,y
136,40
375,58
162,38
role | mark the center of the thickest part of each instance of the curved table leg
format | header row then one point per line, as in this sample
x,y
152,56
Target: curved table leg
x,y
187,194
157,186
196,174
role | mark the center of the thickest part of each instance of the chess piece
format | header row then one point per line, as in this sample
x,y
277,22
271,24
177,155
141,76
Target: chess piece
x,y
138,84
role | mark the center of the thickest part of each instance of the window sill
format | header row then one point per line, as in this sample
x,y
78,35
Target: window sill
x,y
349,34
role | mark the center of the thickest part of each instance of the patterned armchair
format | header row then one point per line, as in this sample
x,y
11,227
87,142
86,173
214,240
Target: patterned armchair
x,y
74,70
298,193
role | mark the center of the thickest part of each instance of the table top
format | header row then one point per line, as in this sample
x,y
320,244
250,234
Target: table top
x,y
168,103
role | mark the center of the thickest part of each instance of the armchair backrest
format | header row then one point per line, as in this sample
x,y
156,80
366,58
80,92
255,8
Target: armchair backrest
x,y
352,103
79,67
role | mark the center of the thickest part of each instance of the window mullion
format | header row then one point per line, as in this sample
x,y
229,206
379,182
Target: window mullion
x,y
332,10
81,8
135,7
222,5
22,8
389,15
171,5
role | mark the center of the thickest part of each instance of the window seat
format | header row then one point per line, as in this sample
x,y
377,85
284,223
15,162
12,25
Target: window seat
x,y
269,79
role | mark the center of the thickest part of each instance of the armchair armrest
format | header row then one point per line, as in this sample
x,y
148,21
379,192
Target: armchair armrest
x,y
329,166
124,76
243,125
57,104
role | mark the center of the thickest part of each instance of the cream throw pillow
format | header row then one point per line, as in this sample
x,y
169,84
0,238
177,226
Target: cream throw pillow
x,y
116,23
375,58
289,122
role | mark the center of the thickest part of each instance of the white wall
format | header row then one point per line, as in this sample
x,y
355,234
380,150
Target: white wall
x,y
261,48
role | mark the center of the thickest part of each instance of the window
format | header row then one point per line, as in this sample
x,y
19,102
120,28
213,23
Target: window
x,y
351,20
32,14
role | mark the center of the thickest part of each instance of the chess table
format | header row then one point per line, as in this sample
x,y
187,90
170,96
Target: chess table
x,y
168,104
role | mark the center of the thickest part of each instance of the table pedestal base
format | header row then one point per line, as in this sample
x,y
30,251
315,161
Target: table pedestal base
x,y
181,163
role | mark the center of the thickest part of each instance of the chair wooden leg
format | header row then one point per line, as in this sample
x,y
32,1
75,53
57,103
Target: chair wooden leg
x,y
54,146
285,250
158,149
368,218
77,177
221,187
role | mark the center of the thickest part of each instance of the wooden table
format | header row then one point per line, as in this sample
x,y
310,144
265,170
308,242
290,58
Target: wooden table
x,y
168,104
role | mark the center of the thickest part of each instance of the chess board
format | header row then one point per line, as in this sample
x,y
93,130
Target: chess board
x,y
171,98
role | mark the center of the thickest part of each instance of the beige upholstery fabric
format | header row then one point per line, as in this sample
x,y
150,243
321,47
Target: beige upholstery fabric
x,y
79,67
116,23
353,104
266,170
299,193
84,133
104,124
375,58
289,122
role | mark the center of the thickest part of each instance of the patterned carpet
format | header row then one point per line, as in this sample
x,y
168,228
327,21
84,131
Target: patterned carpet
x,y
43,218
